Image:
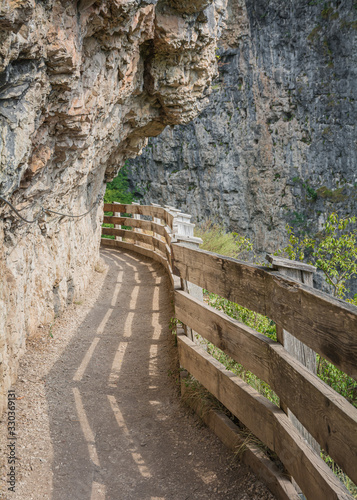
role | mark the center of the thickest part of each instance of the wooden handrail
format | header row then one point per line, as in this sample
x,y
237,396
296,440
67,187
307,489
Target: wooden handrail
x,y
328,416
146,225
268,422
154,242
159,212
326,324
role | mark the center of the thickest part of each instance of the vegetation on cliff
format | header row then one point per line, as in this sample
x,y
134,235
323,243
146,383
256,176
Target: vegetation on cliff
x,y
118,189
333,250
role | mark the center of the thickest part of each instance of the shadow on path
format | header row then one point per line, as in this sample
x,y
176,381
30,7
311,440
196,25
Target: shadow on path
x,y
117,427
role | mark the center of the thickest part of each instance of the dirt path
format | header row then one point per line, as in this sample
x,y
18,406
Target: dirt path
x,y
99,415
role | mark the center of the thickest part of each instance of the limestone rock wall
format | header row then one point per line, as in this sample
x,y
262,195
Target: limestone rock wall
x,y
82,85
277,142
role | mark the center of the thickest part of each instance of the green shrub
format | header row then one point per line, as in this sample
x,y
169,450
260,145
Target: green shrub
x,y
118,190
333,250
338,380
215,239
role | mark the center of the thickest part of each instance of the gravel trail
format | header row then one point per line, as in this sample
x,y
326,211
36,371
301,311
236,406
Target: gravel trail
x,y
98,414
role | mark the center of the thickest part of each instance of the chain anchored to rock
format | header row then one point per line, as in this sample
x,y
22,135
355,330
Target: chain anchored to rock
x,y
48,211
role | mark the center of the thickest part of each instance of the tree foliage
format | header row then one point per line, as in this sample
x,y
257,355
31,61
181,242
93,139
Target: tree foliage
x,y
334,251
118,189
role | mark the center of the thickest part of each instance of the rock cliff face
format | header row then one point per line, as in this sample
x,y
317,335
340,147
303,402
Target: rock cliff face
x,y
277,142
82,85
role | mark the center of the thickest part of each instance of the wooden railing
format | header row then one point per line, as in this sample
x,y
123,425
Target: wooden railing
x,y
154,243
326,324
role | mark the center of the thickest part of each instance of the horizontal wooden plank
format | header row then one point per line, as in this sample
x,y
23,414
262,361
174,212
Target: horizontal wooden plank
x,y
158,212
146,225
140,237
162,247
326,415
126,233
234,338
290,264
268,422
250,454
175,281
324,323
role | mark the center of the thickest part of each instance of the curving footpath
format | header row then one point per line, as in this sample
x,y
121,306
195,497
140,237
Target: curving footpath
x,y
100,416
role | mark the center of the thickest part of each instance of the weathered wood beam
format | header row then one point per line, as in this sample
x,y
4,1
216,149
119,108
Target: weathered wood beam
x,y
326,324
326,414
146,225
249,453
158,212
268,422
175,282
304,273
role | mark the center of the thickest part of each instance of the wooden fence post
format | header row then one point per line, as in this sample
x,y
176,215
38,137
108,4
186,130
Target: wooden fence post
x,y
117,226
304,273
156,220
136,216
173,212
184,234
136,229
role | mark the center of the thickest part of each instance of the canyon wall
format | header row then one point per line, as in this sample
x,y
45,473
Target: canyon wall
x,y
277,143
82,86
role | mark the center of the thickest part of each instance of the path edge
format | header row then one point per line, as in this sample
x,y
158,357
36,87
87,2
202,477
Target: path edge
x,y
250,455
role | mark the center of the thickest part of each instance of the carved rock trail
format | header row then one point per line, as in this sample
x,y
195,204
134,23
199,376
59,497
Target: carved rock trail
x,y
82,86
100,416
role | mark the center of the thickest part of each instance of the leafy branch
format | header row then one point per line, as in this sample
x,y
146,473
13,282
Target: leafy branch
x,y
334,251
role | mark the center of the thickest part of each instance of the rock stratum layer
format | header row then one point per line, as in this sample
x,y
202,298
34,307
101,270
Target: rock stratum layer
x,y
82,85
277,143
